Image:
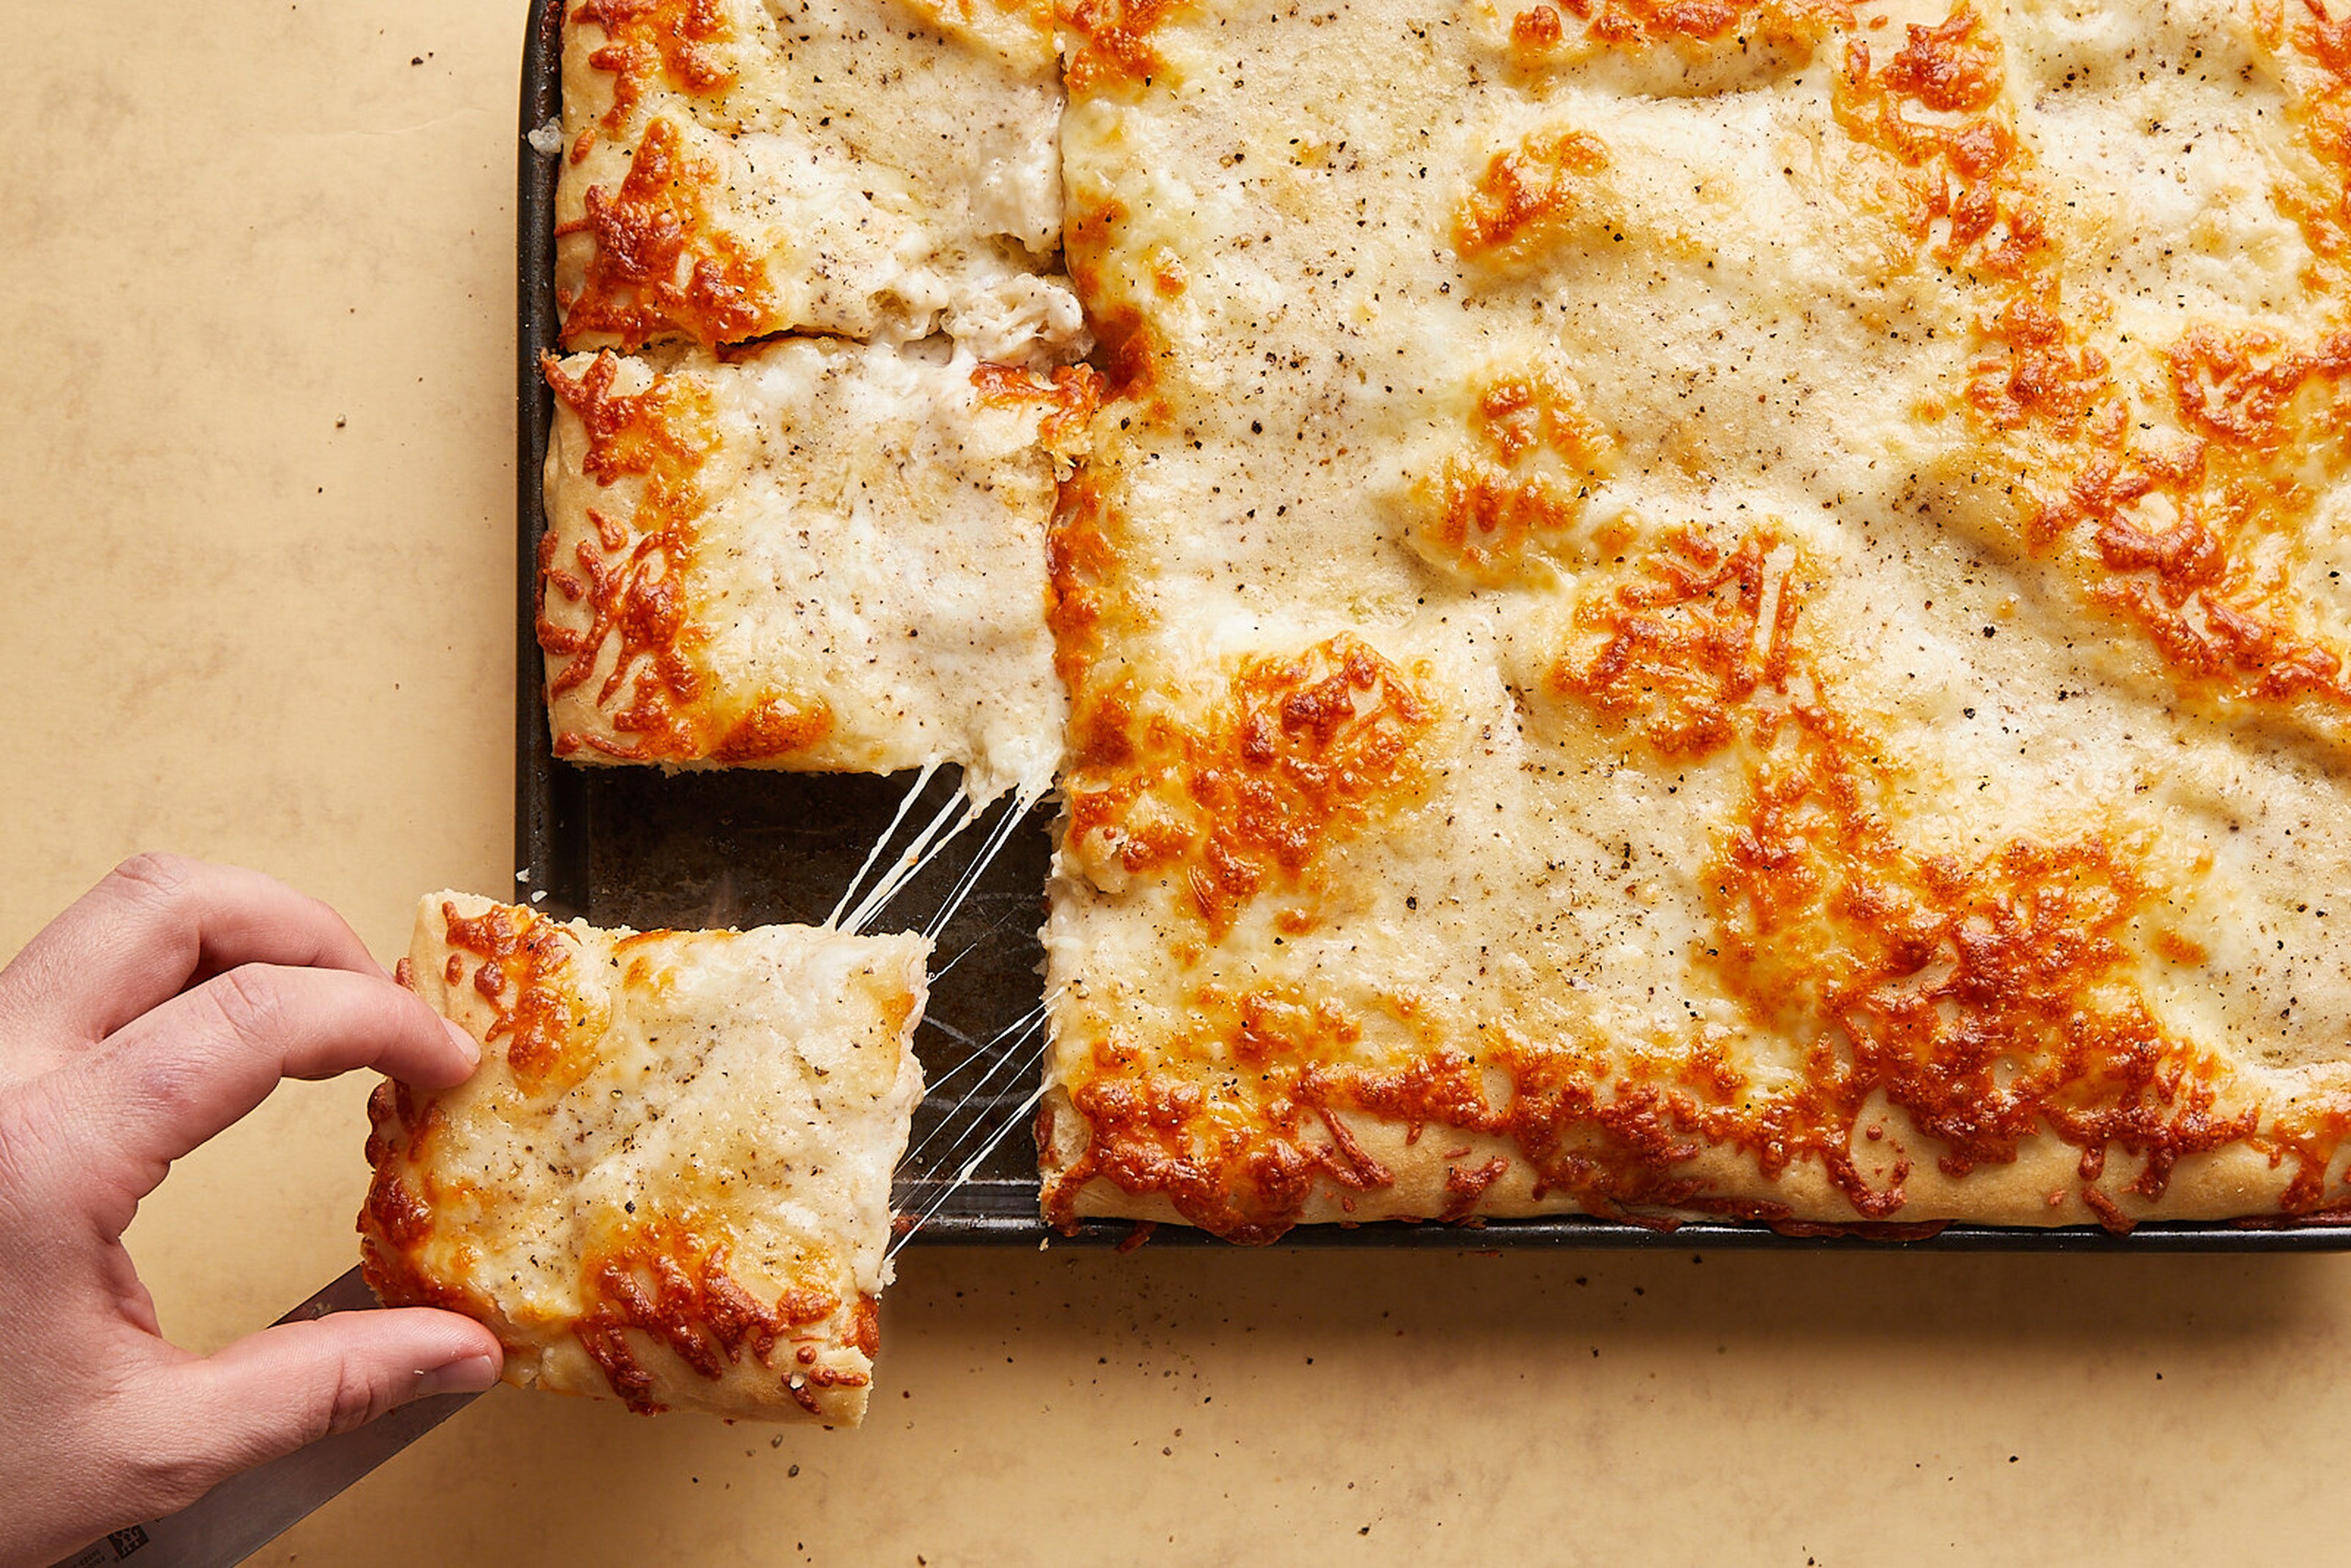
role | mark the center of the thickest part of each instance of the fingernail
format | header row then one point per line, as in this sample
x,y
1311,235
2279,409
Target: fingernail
x,y
470,1376
465,1042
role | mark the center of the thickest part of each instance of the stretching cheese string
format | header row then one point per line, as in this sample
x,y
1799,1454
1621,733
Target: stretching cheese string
x,y
921,782
1013,818
926,847
1017,1060
915,1226
976,1124
999,1054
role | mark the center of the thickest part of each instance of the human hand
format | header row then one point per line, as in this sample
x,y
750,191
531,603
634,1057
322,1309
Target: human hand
x,y
159,1009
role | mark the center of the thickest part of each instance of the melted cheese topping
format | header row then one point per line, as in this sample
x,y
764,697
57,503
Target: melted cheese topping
x,y
669,1180
814,554
1835,517
879,169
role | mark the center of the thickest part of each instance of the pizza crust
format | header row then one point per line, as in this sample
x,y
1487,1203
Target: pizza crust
x,y
668,1182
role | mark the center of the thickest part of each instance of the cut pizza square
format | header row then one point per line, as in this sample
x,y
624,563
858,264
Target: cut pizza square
x,y
813,554
668,1182
1267,896
874,169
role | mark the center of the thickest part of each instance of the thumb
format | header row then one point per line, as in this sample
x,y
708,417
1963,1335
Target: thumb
x,y
270,1393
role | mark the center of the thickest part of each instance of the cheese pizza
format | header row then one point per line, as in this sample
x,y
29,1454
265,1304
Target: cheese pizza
x,y
824,387
668,1182
812,554
874,169
1651,610
1705,609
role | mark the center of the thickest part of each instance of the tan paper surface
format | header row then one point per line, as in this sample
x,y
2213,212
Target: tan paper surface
x,y
259,460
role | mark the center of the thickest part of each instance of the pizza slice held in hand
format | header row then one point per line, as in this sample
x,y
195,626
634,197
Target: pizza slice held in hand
x,y
669,1180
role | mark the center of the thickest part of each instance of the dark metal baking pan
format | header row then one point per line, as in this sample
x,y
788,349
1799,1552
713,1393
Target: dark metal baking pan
x,y
631,846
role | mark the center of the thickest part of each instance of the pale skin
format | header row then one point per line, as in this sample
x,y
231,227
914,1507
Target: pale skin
x,y
156,1011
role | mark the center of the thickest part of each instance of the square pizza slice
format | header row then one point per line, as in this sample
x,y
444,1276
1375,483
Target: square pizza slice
x,y
814,554
875,169
1634,906
668,1182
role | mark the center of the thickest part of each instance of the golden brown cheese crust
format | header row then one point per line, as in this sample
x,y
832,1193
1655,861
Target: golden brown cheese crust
x,y
668,1182
1852,502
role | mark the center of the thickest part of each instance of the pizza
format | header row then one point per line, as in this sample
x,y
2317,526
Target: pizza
x,y
1705,609
820,386
814,553
868,169
1645,610
668,1182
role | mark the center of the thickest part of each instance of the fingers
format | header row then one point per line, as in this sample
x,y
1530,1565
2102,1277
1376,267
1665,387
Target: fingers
x,y
271,1393
190,1067
155,924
